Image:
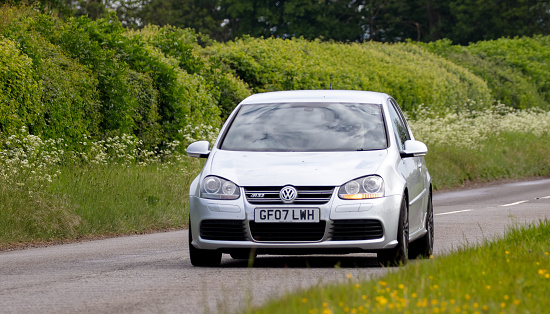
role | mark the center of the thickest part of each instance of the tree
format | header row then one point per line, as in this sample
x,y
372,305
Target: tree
x,y
330,19
483,20
462,21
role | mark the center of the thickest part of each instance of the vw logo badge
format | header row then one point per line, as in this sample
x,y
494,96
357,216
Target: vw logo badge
x,y
288,194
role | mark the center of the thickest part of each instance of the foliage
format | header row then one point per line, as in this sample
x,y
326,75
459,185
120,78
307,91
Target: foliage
x,y
508,85
515,69
528,55
412,75
478,20
68,89
98,80
80,77
19,91
182,45
462,21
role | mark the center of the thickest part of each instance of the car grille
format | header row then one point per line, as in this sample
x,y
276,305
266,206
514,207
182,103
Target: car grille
x,y
224,230
356,229
292,232
307,195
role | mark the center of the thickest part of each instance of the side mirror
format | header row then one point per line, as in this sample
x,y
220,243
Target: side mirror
x,y
198,149
414,149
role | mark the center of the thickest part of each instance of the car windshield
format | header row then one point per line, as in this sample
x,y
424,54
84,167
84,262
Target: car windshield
x,y
306,127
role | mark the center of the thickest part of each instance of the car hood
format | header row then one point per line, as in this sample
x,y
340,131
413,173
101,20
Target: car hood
x,y
294,168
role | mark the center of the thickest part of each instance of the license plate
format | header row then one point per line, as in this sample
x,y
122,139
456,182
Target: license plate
x,y
286,215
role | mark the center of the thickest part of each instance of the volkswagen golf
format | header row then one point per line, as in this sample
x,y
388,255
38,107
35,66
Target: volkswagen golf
x,y
312,172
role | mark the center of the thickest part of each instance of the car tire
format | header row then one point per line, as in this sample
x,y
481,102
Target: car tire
x,y
423,247
204,258
399,254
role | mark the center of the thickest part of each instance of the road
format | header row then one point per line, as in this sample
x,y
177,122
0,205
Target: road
x,y
152,273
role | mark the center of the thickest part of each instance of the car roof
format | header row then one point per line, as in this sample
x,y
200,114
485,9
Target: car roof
x,y
351,96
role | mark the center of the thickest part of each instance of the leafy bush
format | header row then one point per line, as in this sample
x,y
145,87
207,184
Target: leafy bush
x,y
528,55
183,98
508,84
19,91
82,78
182,44
69,90
412,75
98,80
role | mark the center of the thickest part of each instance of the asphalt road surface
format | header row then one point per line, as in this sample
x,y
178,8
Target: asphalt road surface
x,y
153,274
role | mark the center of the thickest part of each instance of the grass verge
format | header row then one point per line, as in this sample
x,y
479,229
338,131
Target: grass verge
x,y
96,201
510,274
508,155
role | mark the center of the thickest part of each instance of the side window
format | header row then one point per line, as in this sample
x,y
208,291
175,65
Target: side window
x,y
399,127
400,113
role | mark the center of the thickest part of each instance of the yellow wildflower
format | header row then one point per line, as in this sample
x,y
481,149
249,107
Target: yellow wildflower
x,y
382,300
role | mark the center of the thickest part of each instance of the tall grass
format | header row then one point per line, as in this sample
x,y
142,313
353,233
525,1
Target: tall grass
x,y
508,275
113,199
108,187
497,143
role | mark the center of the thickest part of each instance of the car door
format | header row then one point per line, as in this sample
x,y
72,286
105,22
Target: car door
x,y
410,168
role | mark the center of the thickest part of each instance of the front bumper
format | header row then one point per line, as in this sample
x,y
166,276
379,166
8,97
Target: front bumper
x,y
229,226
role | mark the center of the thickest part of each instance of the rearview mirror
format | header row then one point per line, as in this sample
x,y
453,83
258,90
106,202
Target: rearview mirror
x,y
414,149
198,149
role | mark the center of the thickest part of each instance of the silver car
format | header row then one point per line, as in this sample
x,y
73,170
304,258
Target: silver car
x,y
312,172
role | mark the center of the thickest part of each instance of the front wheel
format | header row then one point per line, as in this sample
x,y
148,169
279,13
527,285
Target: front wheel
x,y
399,254
208,258
423,247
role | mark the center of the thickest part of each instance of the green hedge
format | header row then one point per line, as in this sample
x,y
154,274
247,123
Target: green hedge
x,y
79,78
509,82
412,75
183,45
530,56
19,90
94,79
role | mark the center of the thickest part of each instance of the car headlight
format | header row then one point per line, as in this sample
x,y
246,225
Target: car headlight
x,y
362,188
213,187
